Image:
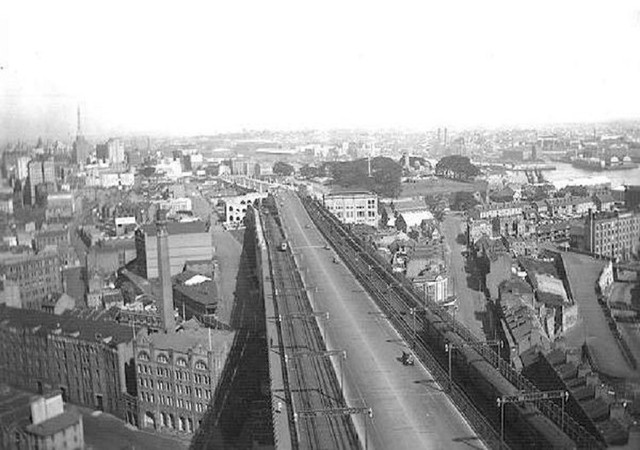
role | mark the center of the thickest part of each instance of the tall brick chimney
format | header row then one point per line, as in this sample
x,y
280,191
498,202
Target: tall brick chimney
x,y
165,306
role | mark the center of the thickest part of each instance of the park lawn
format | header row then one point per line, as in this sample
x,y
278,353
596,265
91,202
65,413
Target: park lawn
x,y
439,185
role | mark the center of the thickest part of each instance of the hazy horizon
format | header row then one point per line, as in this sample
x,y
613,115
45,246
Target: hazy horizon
x,y
205,69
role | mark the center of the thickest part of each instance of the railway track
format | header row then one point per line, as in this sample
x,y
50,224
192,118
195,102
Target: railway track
x,y
434,327
312,382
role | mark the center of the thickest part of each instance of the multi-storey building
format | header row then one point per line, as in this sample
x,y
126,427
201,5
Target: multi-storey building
x,y
35,276
353,207
187,241
178,375
61,206
613,234
40,172
178,372
570,206
632,196
492,210
51,238
6,203
88,361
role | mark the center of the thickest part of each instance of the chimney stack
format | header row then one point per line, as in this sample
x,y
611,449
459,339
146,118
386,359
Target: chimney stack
x,y
165,305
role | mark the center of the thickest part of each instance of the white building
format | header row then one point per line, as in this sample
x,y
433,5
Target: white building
x,y
235,208
353,207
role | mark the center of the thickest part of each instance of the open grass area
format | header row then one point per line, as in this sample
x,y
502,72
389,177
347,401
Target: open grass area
x,y
433,186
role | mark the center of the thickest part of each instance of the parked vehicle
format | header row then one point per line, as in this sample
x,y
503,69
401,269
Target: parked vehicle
x,y
407,359
283,246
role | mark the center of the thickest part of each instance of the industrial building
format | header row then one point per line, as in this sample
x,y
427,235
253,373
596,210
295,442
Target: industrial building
x,y
88,361
178,369
187,241
612,234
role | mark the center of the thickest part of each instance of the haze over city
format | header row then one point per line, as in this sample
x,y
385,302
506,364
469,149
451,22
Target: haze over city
x,y
202,68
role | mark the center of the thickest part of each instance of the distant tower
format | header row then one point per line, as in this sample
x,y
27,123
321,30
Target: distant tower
x,y
81,147
406,160
165,305
445,137
79,131
369,165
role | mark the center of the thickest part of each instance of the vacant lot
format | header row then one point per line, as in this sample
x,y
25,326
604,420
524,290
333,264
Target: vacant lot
x,y
433,186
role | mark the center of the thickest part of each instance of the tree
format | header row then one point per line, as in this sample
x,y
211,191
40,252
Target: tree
x,y
308,171
457,167
401,224
414,234
282,168
463,201
384,180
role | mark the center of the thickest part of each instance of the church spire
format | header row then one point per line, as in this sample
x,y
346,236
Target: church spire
x,y
79,133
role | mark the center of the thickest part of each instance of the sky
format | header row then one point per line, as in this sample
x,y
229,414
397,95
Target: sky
x,y
202,67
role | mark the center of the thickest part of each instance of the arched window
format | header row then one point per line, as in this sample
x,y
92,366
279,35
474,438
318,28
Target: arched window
x,y
143,356
181,362
162,359
201,365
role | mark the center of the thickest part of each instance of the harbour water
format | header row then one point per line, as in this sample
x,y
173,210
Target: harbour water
x,y
566,174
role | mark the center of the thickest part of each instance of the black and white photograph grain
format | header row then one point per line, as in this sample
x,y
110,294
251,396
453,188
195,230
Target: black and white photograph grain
x,y
319,225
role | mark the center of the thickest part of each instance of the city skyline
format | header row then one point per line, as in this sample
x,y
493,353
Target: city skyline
x,y
200,69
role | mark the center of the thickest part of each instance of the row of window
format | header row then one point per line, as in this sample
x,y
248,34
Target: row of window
x,y
180,362
169,387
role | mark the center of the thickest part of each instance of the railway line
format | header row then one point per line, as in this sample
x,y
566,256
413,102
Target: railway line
x,y
316,404
478,375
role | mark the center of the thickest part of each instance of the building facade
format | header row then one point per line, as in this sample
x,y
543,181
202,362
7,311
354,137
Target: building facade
x,y
187,241
36,277
88,361
353,207
178,375
613,234
235,208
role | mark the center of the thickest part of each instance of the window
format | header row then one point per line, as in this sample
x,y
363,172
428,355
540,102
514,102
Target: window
x,y
181,362
162,359
143,356
201,365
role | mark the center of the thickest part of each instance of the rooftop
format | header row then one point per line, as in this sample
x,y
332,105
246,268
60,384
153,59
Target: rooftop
x,y
85,329
189,338
55,424
177,228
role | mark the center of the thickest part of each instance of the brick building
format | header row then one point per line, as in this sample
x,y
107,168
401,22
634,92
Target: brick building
x,y
612,234
178,374
88,361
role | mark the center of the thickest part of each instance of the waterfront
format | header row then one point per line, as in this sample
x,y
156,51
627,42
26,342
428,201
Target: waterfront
x,y
566,174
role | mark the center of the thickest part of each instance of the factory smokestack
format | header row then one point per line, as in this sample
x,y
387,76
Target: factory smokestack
x,y
165,305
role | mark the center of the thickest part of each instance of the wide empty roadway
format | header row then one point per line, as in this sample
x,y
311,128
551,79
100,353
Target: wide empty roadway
x,y
410,409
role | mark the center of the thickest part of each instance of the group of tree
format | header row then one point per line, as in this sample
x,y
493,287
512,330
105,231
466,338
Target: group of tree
x,y
457,167
309,171
282,168
463,201
384,180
